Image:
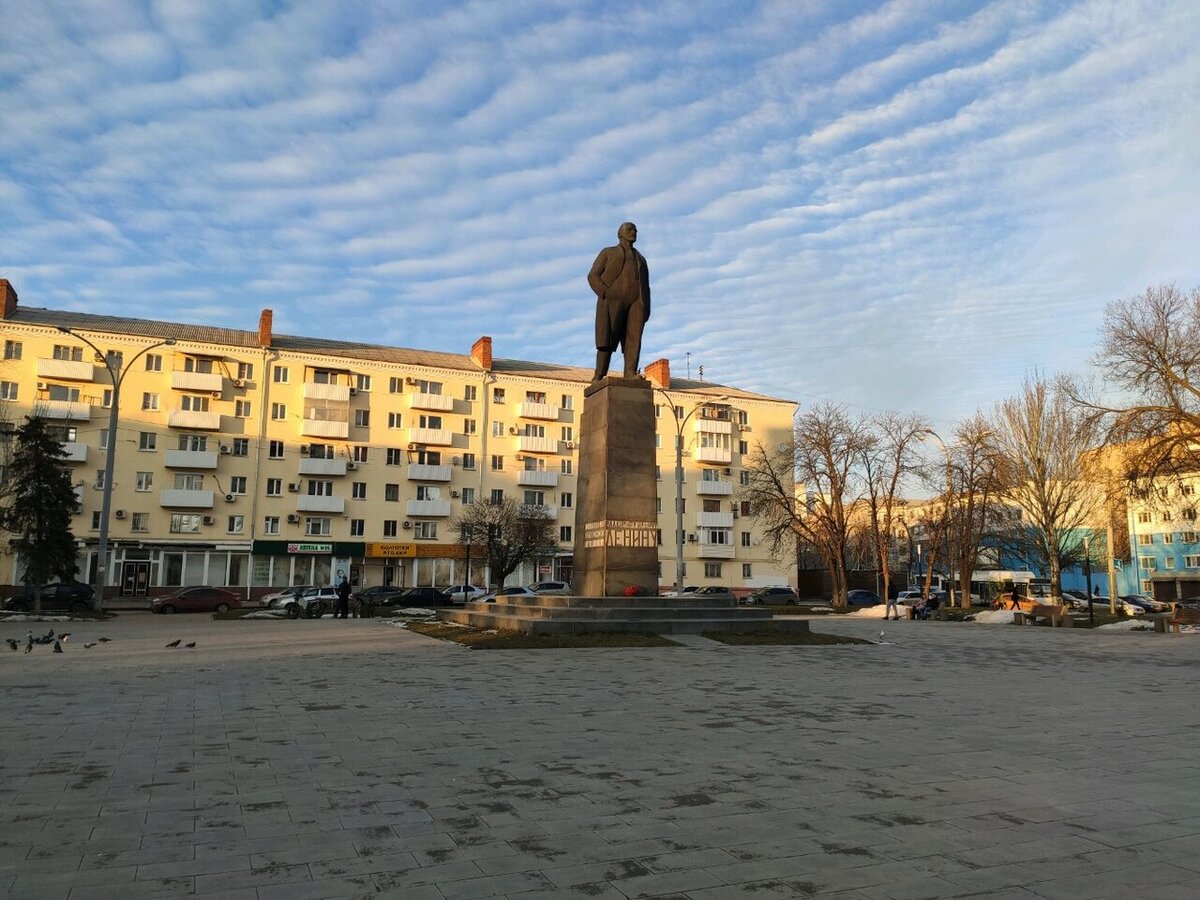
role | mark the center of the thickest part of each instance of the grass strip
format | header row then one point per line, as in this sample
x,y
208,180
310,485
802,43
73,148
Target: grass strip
x,y
478,639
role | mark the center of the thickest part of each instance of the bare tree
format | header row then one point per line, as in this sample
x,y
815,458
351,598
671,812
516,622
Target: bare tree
x,y
1041,436
823,461
509,533
888,461
973,481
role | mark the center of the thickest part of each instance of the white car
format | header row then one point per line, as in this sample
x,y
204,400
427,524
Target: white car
x,y
551,587
280,599
1125,608
464,592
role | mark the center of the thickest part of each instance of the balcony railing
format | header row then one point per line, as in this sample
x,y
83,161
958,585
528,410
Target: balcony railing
x,y
314,503
201,420
438,437
528,444
714,488
186,499
714,426
328,428
315,466
72,410
715,520
65,369
427,508
718,455
76,451
209,382
318,391
424,472
191,459
715,551
434,402
537,478
531,410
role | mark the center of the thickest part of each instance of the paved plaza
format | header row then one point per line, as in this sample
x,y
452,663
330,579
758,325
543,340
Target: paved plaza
x,y
288,760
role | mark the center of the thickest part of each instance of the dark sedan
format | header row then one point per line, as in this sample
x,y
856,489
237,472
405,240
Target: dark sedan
x,y
379,595
863,598
66,596
422,596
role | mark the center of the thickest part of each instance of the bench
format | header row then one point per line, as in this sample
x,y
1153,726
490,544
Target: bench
x,y
1055,615
1180,615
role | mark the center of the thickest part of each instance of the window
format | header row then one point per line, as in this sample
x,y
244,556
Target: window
x,y
497,395
189,481
743,418
468,461
426,421
271,525
358,527
240,447
1147,587
389,528
144,481
497,463
317,526
391,493
658,504
280,375
717,536
428,492
1168,537
710,506
712,570
193,364
235,524
422,386
745,539
564,534
358,490
395,385
147,440
140,522
362,418
658,442
362,382
425,531
533,464
658,539
497,429
185,523
469,393
468,426
468,496
744,507
8,390
743,477
241,409
149,401
153,362
497,495
245,371
274,487
237,484
278,411
1188,514
538,431
320,488
1145,539
535,498
319,451
568,433
275,450
360,453
743,447
1188,537
193,403
566,500
63,351
395,456
197,442
12,349
535,396
747,570
95,520
568,402
1169,562
566,466
394,420
1149,563
1143,517
106,398
1191,562
100,478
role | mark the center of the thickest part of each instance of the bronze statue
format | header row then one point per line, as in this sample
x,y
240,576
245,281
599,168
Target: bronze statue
x,y
622,284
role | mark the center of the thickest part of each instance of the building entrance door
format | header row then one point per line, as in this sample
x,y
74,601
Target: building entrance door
x,y
135,579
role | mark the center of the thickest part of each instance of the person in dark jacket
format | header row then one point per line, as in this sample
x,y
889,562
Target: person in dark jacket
x,y
343,604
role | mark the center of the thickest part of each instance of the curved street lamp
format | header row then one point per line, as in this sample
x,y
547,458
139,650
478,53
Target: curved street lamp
x,y
110,459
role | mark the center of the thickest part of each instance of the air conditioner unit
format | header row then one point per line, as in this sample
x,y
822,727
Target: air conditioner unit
x,y
353,391
225,449
229,498
512,429
208,520
293,518
351,466
414,446
520,457
407,524
570,445
42,386
746,428
728,471
456,460
293,487
304,449
410,381
119,513
735,512
216,395
454,493
691,538
239,382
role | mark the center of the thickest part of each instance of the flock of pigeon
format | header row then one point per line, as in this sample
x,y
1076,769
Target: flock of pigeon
x,y
59,639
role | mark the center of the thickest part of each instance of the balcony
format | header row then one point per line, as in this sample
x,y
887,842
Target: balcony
x,y
184,499
72,410
318,391
530,410
310,465
199,420
714,488
191,459
714,426
317,504
65,369
715,520
721,456
204,382
438,437
325,428
544,509
433,402
76,451
715,551
537,478
529,444
423,472
427,508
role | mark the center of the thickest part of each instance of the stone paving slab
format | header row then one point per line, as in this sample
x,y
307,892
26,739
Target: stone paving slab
x,y
348,759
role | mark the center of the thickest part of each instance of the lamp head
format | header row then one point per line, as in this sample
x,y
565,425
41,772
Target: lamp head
x,y
63,328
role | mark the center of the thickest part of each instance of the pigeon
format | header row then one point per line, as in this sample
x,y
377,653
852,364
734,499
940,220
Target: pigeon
x,y
65,635
58,645
191,646
29,647
174,644
12,645
89,645
881,634
104,640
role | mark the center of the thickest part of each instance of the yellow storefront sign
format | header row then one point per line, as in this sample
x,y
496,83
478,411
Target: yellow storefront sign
x,y
391,550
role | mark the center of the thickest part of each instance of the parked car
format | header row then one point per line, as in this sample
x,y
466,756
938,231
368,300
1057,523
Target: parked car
x,y
65,596
378,595
509,592
1149,604
909,598
709,592
422,596
312,602
863,598
196,599
560,588
687,590
280,599
772,596
463,593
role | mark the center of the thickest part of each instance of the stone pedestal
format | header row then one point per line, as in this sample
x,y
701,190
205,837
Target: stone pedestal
x,y
616,516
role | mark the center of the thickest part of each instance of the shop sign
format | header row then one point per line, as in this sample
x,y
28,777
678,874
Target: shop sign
x,y
310,548
391,550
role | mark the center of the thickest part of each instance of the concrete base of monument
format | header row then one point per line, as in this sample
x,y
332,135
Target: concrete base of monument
x,y
655,615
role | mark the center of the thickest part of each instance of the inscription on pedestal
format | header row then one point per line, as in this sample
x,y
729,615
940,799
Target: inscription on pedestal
x,y
620,533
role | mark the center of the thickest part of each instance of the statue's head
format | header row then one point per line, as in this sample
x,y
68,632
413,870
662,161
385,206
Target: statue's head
x,y
627,232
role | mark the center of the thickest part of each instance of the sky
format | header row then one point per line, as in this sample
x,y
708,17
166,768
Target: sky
x,y
900,206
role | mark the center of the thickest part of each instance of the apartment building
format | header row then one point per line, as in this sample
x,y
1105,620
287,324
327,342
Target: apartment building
x,y
256,460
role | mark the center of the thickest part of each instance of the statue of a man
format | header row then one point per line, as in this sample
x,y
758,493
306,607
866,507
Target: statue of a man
x,y
622,284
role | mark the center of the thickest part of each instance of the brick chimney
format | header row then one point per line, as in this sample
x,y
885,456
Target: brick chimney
x,y
8,299
264,328
481,353
659,373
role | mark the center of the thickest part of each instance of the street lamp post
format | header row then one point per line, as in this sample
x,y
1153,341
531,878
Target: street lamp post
x,y
110,458
1087,573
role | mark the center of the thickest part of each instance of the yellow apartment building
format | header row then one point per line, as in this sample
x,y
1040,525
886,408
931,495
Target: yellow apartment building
x,y
258,460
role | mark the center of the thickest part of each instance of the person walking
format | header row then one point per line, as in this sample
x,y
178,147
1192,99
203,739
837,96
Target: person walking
x,y
892,606
343,603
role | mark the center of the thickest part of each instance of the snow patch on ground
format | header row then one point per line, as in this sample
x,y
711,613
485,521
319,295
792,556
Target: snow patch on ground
x,y
266,614
30,617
